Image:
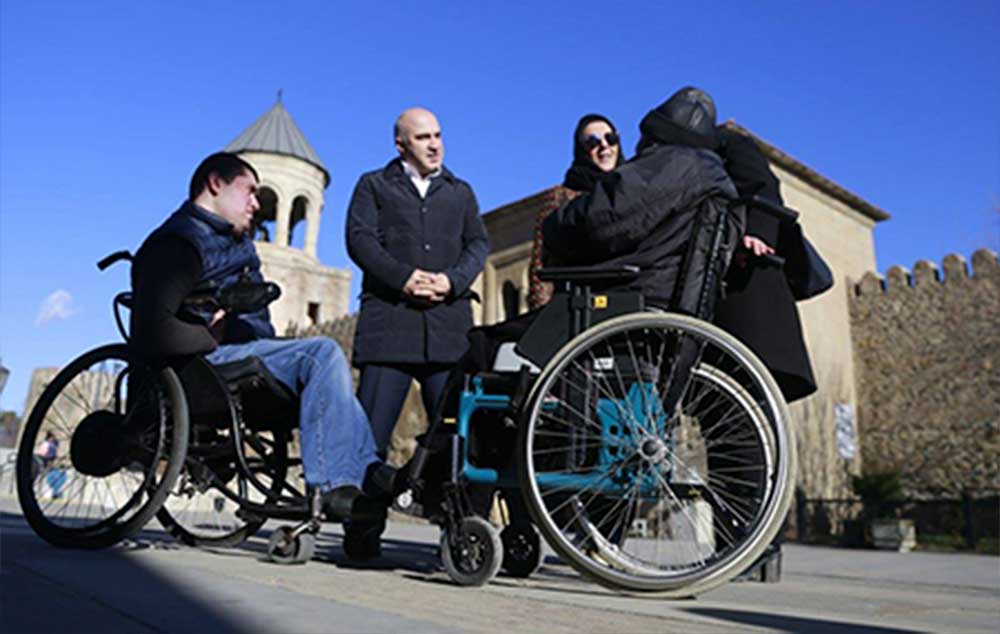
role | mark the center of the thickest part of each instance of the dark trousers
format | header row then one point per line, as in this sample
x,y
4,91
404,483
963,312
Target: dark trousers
x,y
382,391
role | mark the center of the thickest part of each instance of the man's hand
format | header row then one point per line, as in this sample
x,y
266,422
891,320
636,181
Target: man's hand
x,y
417,285
440,284
432,287
218,325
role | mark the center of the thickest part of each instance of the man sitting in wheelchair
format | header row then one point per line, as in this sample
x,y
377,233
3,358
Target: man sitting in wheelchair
x,y
207,244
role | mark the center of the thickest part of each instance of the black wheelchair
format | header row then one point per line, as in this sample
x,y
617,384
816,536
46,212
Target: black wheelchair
x,y
204,448
649,448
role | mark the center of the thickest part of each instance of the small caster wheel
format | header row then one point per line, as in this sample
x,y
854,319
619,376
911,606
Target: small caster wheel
x,y
282,548
476,554
522,550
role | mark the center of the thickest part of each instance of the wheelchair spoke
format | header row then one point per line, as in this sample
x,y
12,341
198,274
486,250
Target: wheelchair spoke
x,y
585,393
685,513
636,425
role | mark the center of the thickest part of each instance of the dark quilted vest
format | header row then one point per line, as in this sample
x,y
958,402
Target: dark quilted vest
x,y
225,258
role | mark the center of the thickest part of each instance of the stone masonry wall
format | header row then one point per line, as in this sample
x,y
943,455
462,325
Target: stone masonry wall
x,y
927,352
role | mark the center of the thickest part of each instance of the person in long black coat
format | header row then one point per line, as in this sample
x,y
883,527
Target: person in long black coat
x,y
759,308
414,229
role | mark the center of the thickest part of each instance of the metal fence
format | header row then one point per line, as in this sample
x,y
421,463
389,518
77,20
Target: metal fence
x,y
971,522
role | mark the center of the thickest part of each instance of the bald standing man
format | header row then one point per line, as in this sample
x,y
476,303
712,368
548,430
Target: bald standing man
x,y
414,230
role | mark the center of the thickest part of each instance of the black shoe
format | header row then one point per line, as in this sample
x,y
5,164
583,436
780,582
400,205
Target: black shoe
x,y
349,503
383,482
363,540
338,504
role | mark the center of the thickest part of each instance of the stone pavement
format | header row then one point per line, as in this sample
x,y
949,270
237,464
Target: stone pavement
x,y
151,584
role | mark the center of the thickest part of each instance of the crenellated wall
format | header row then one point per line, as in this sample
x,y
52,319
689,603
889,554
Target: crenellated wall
x,y
927,368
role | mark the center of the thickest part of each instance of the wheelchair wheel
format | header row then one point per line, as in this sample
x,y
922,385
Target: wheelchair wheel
x,y
285,548
522,550
120,433
204,507
656,454
473,556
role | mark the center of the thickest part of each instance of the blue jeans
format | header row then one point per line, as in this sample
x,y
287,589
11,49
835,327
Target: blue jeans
x,y
336,439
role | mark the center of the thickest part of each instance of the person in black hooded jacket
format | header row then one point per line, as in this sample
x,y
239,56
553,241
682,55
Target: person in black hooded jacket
x,y
648,212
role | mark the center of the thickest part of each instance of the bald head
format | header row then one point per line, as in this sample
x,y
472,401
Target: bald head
x,y
418,140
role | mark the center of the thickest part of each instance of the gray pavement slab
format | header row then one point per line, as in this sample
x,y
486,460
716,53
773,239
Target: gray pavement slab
x,y
150,584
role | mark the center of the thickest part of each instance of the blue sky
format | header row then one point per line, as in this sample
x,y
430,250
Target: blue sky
x,y
106,107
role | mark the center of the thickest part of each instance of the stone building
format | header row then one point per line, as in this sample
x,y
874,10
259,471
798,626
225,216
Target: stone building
x,y
293,179
927,351
839,223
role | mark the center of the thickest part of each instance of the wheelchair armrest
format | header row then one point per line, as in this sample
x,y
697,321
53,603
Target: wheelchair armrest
x,y
784,214
248,297
585,274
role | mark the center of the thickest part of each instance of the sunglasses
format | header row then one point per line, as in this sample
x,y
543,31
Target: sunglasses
x,y
593,140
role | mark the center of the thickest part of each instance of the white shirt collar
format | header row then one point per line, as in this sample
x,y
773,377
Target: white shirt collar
x,y
422,183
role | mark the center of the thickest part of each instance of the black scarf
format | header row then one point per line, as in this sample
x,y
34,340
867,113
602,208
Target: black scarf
x,y
583,174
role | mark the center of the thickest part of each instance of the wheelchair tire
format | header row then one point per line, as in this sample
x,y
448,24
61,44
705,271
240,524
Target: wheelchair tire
x,y
476,555
122,439
522,550
203,511
284,549
702,489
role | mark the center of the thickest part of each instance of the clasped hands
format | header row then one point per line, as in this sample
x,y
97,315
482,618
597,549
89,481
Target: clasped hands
x,y
427,286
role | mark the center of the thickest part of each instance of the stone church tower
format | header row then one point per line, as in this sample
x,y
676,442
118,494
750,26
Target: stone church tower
x,y
292,181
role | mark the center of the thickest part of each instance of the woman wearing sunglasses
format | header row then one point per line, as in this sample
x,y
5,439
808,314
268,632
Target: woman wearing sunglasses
x,y
596,151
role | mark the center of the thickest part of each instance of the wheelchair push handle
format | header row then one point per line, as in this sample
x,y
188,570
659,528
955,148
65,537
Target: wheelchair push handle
x,y
117,256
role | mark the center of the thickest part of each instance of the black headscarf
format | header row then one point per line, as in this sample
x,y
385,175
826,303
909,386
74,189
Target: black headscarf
x,y
583,174
686,118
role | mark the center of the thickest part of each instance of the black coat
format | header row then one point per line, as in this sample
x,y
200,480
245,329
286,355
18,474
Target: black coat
x,y
643,214
391,231
759,308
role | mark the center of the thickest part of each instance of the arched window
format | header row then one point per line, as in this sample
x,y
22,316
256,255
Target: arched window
x,y
263,220
511,300
299,208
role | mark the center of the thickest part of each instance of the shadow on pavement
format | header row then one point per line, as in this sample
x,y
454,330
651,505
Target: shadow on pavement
x,y
795,624
48,589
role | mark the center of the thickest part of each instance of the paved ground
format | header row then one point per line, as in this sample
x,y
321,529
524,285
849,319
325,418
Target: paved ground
x,y
153,585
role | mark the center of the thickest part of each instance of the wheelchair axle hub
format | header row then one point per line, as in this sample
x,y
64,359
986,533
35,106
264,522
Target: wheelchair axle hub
x,y
653,449
96,447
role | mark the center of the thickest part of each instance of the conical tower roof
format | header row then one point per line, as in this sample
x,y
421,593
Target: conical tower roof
x,y
276,132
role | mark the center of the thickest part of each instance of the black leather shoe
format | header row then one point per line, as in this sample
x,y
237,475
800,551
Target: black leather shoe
x,y
339,503
363,540
350,503
382,481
